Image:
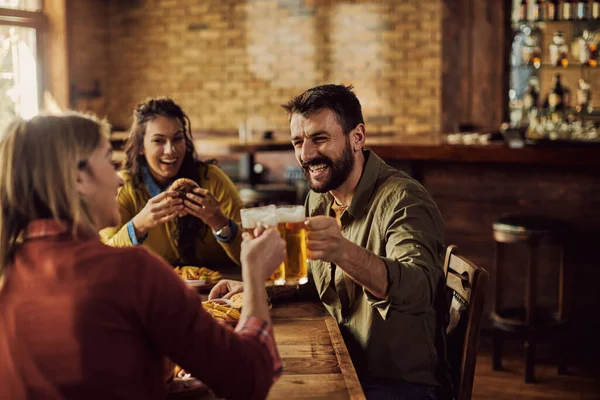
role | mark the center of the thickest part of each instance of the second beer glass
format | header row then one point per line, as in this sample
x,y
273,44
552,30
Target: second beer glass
x,y
292,230
266,216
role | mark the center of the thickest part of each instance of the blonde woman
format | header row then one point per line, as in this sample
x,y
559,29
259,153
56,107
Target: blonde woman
x,y
83,320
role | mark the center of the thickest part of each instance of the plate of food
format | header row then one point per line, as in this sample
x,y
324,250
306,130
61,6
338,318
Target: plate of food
x,y
198,277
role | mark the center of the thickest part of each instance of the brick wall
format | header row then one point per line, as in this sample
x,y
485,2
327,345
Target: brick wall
x,y
230,61
88,54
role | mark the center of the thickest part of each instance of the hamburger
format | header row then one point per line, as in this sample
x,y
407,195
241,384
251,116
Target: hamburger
x,y
183,186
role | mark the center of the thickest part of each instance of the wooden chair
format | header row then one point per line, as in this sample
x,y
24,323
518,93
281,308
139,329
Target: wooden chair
x,y
465,284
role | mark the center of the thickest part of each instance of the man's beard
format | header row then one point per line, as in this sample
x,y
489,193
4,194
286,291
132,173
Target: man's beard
x,y
340,170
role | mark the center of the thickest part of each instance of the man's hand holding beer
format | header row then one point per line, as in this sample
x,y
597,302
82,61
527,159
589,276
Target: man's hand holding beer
x,y
324,240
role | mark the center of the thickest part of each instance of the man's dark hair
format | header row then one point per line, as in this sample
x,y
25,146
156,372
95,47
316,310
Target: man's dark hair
x,y
338,98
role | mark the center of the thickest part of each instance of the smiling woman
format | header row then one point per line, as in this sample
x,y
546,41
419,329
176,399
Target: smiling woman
x,y
160,150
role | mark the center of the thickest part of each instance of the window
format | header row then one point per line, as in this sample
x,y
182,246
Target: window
x,y
21,26
27,5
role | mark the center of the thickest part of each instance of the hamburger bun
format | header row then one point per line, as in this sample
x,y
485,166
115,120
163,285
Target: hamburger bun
x,y
237,300
183,186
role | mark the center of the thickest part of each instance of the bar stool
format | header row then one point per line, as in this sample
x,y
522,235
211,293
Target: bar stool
x,y
529,322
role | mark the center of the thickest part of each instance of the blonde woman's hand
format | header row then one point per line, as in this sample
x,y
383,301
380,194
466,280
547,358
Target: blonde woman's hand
x,y
203,205
261,254
158,210
226,288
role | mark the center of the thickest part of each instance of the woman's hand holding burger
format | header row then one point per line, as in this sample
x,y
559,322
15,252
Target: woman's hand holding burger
x,y
159,209
200,203
183,197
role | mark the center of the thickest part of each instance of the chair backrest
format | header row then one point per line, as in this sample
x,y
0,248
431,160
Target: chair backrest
x,y
465,284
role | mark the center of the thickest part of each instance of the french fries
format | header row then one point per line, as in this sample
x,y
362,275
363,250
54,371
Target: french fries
x,y
190,273
220,312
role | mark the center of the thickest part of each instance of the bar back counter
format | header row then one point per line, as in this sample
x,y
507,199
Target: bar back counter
x,y
475,185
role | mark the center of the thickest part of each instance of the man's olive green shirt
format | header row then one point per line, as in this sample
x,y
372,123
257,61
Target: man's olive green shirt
x,y
402,336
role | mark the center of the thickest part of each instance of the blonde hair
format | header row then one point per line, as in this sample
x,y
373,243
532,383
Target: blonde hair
x,y
39,159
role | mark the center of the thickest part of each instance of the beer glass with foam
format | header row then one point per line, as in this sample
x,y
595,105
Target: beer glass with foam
x,y
292,230
266,216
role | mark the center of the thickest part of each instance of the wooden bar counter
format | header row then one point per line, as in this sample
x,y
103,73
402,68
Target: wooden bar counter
x,y
316,363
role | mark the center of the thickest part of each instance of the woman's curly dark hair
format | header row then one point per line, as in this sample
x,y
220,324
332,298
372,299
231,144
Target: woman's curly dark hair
x,y
188,227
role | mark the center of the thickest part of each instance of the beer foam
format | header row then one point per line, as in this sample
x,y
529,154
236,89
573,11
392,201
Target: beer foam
x,y
252,217
290,214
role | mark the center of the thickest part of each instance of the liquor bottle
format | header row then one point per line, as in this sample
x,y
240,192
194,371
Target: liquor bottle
x,y
593,52
531,97
559,52
523,11
531,53
552,10
584,50
556,98
582,9
583,96
538,10
595,9
588,50
567,10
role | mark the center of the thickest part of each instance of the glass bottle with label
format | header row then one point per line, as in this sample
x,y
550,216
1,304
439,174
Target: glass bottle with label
x,y
567,10
523,11
595,9
593,51
582,9
552,10
539,10
531,52
531,97
584,48
556,98
583,96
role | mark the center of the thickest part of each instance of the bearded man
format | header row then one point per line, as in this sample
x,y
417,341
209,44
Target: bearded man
x,y
375,245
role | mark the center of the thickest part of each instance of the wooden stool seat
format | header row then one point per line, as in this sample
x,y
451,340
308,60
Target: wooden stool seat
x,y
530,321
524,228
514,320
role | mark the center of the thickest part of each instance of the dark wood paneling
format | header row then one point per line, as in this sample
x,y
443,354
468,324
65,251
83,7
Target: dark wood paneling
x,y
474,62
472,196
456,63
488,35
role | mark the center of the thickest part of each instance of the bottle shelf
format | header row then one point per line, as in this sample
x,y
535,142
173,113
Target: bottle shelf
x,y
584,22
554,68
